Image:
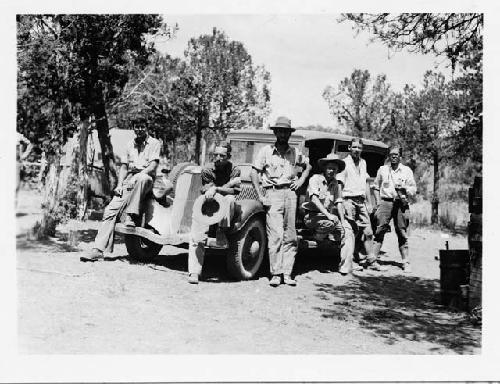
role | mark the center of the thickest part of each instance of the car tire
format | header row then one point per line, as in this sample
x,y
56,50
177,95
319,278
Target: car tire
x,y
246,250
141,249
176,171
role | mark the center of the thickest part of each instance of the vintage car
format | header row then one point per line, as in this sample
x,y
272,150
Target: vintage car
x,y
169,223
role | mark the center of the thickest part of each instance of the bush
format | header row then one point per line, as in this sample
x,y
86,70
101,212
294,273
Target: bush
x,y
453,215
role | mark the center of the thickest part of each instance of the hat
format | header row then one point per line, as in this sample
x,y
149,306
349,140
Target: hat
x,y
283,122
332,158
211,211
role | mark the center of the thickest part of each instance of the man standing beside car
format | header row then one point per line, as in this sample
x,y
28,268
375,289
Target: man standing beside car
x,y
135,181
276,166
353,179
393,184
223,178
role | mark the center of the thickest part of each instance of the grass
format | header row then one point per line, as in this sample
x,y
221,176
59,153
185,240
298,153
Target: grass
x,y
453,215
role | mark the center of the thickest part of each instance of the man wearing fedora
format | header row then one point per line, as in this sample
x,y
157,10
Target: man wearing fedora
x,y
277,167
222,178
353,179
324,210
393,184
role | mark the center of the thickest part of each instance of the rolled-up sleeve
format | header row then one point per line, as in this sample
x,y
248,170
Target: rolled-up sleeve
x,y
260,160
314,186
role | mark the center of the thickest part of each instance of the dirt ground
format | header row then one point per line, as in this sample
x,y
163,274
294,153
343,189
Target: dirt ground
x,y
121,307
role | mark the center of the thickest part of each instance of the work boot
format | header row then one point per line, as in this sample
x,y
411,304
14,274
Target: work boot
x,y
94,255
275,281
287,279
193,278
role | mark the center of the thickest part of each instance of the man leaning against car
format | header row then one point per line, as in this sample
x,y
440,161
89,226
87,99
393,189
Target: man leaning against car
x,y
276,166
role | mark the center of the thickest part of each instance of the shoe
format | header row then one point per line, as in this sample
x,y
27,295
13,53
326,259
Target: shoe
x,y
287,279
375,266
193,278
94,255
406,267
356,267
275,281
129,221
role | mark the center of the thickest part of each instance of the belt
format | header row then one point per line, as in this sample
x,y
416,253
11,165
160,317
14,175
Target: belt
x,y
391,199
281,186
355,198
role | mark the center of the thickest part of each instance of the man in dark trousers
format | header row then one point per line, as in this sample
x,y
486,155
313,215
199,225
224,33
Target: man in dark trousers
x,y
393,184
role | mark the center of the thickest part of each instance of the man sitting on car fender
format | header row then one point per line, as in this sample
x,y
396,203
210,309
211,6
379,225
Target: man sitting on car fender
x,y
325,213
135,181
222,178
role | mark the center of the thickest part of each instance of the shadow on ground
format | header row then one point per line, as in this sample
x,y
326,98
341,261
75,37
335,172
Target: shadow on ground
x,y
214,266
399,307
52,245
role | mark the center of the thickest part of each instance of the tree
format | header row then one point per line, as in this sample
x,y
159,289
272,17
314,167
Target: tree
x,y
163,95
449,34
228,91
70,68
429,127
457,36
361,106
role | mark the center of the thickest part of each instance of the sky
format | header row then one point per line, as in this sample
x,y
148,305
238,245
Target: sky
x,y
304,54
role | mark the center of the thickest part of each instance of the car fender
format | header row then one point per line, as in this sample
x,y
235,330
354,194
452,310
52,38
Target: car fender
x,y
244,210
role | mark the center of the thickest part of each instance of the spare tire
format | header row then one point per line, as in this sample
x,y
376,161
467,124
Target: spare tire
x,y
246,249
176,171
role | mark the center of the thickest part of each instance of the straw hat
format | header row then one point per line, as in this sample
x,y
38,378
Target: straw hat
x,y
332,158
282,122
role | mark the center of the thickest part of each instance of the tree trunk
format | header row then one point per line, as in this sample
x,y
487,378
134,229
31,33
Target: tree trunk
x,y
198,133
108,159
81,167
435,198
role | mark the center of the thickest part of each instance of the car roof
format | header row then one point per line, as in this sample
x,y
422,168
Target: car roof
x,y
299,135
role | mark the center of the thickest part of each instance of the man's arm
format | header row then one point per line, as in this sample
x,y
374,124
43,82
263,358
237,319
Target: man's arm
x,y
410,185
151,168
376,186
121,178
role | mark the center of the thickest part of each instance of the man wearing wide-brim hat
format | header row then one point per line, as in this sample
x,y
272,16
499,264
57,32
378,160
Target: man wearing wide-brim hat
x,y
277,167
324,211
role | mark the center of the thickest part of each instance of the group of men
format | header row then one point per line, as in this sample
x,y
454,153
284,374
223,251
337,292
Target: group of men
x,y
336,209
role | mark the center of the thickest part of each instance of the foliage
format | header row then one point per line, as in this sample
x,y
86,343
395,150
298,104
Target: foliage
x,y
225,83
361,106
449,34
70,67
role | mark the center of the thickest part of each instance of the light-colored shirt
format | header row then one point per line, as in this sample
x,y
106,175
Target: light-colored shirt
x,y
353,178
141,157
276,168
328,193
403,175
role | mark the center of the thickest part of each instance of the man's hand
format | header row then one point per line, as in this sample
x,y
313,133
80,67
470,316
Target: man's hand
x,y
332,217
118,191
210,193
264,201
296,184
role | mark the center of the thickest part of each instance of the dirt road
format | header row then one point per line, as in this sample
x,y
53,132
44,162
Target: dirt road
x,y
117,306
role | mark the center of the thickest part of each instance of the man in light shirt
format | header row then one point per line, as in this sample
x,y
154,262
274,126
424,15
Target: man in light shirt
x,y
393,184
135,180
353,179
277,167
